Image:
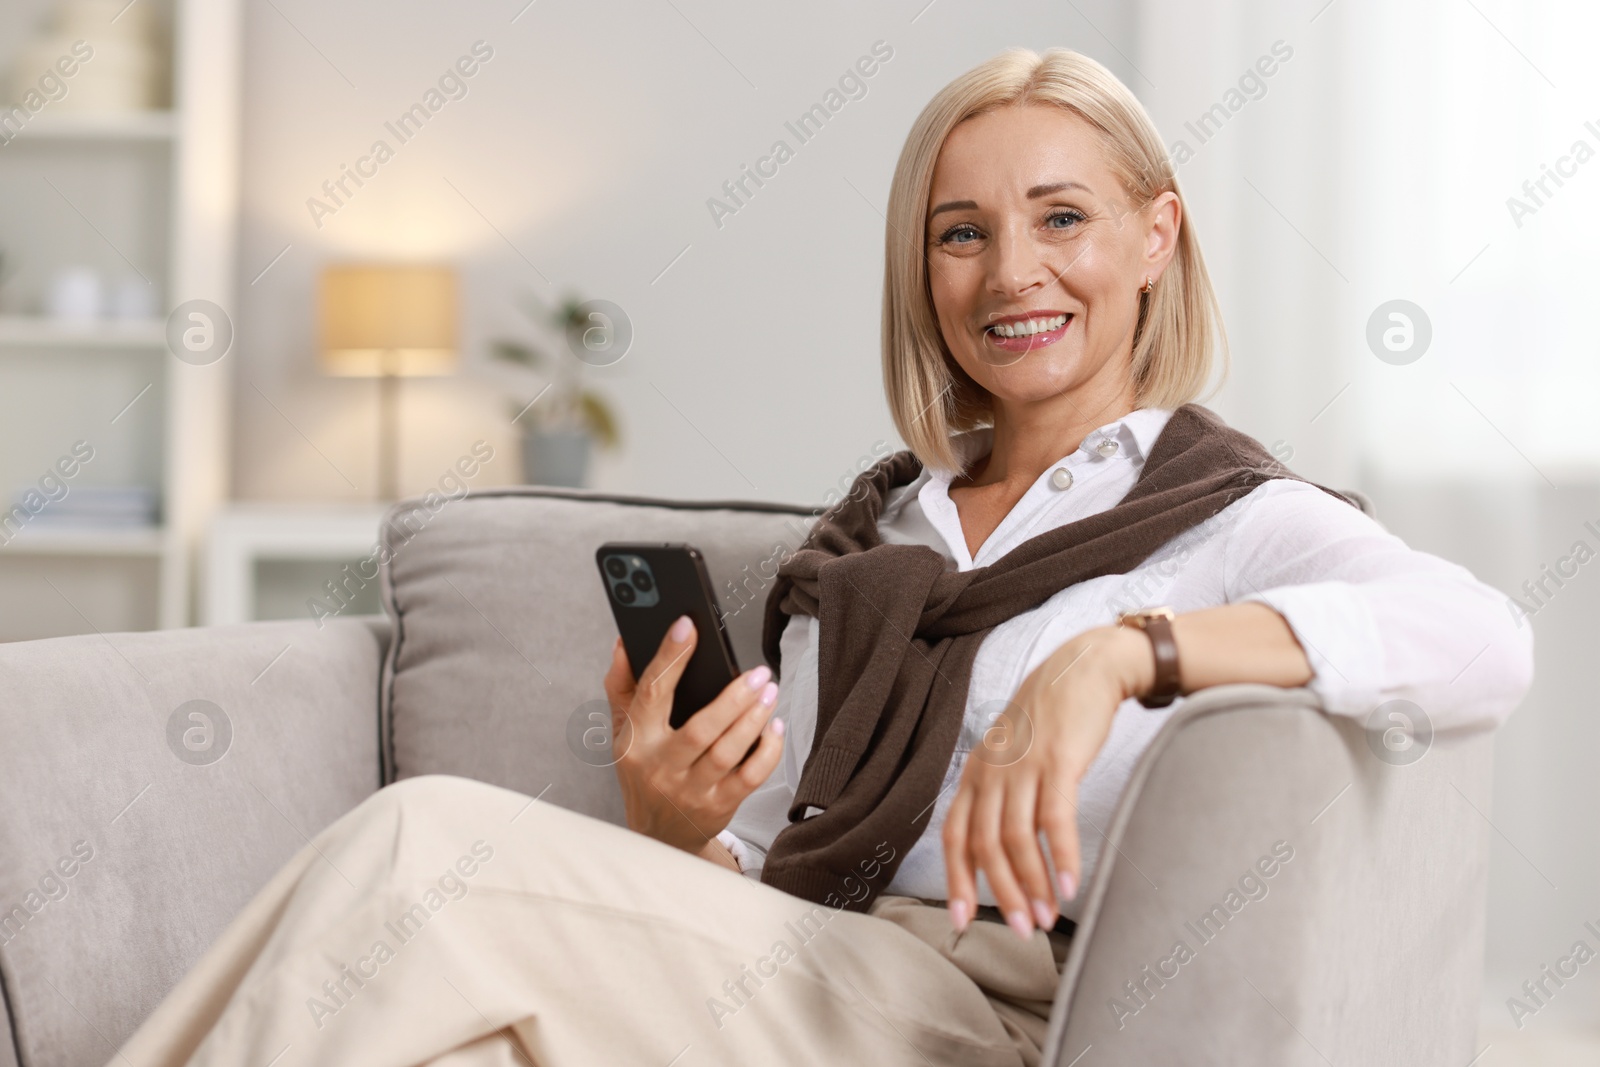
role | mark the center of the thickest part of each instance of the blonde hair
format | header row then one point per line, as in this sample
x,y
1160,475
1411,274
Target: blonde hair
x,y
929,395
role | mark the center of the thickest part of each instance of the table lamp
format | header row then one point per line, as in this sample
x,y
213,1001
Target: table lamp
x,y
386,321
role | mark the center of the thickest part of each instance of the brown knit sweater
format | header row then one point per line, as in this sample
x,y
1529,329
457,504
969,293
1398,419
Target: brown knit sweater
x,y
898,633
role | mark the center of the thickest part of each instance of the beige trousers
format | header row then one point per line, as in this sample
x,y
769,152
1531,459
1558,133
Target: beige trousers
x,y
457,924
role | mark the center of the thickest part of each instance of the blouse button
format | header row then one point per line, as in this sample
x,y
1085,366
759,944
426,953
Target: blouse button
x,y
1061,478
1106,448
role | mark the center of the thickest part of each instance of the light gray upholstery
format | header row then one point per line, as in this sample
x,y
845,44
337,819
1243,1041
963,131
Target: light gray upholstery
x,y
177,848
1365,949
503,630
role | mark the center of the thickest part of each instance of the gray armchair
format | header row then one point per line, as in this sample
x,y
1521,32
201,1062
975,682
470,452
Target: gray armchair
x,y
1365,948
132,831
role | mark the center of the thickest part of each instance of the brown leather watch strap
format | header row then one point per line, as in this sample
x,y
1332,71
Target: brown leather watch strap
x,y
1157,626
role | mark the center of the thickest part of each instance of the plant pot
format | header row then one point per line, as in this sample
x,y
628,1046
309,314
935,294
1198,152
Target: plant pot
x,y
555,457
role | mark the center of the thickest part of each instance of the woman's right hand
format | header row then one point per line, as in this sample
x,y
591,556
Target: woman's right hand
x,y
682,786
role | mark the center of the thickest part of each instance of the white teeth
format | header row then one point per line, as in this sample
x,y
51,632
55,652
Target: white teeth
x,y
1030,327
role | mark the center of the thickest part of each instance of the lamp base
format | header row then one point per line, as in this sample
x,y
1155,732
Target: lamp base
x,y
388,433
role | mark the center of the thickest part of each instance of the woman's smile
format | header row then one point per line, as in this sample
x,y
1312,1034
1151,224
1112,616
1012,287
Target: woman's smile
x,y
1021,334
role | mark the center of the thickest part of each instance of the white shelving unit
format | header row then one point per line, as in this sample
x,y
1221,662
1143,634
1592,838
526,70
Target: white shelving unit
x,y
153,193
134,543
32,331
134,126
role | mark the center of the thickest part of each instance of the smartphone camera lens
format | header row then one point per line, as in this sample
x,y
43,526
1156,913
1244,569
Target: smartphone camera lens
x,y
630,579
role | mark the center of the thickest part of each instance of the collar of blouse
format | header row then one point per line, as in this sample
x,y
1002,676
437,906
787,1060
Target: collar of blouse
x,y
1130,437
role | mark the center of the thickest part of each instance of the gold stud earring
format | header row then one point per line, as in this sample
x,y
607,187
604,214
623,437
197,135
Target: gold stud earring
x,y
1148,284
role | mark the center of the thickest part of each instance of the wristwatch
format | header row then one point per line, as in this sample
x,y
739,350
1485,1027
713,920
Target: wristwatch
x,y
1157,625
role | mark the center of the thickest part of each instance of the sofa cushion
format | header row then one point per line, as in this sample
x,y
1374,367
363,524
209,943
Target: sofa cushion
x,y
151,784
503,633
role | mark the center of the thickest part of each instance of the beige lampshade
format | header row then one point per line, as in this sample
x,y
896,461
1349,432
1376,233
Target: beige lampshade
x,y
395,319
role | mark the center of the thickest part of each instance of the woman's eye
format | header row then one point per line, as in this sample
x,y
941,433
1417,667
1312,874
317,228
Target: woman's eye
x,y
965,233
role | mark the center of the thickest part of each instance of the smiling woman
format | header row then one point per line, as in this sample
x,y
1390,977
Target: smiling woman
x,y
1096,160
1048,322
960,699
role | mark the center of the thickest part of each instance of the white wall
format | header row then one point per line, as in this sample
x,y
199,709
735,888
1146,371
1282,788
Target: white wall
x,y
585,153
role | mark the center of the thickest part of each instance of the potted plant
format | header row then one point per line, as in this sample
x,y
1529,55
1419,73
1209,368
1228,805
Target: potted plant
x,y
568,419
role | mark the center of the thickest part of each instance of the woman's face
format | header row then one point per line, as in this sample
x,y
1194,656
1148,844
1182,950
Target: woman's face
x,y
1028,229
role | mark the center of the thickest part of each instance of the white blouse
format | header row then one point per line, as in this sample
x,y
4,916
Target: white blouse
x,y
1366,609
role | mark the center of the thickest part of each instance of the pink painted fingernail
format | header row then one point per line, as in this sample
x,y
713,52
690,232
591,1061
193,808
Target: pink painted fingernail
x,y
755,678
1069,887
681,628
776,726
769,695
1018,921
1042,916
960,914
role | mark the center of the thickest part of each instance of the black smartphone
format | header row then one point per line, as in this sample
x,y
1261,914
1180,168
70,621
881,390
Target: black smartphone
x,y
649,585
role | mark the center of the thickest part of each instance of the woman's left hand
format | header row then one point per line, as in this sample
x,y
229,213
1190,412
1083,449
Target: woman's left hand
x,y
1022,778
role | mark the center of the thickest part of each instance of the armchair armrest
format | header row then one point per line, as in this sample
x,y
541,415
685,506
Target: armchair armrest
x,y
1273,892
